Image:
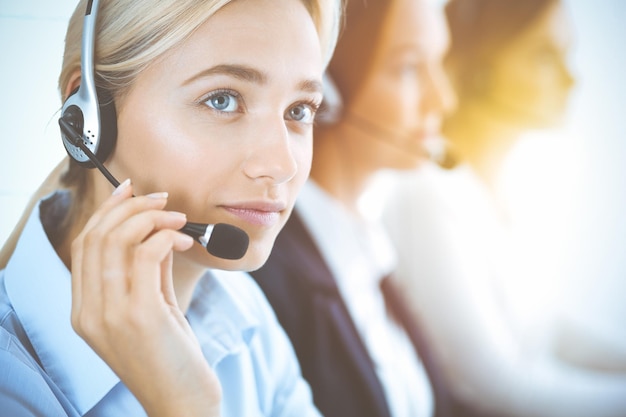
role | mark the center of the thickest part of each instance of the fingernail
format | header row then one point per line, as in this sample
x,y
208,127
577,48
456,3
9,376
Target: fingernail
x,y
157,196
184,240
121,187
178,214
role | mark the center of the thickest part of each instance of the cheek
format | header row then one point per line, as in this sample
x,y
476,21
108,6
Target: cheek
x,y
153,155
158,155
509,84
551,85
304,157
138,153
389,105
533,91
403,98
302,153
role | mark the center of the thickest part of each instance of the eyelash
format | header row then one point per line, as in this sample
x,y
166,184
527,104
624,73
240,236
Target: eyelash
x,y
216,93
314,105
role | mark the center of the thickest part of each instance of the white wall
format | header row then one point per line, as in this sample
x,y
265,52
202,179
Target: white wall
x,y
31,44
572,187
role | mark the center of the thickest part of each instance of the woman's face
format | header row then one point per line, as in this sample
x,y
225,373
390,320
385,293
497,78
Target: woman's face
x,y
406,90
224,122
528,81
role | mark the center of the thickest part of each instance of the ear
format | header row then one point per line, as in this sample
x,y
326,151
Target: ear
x,y
72,85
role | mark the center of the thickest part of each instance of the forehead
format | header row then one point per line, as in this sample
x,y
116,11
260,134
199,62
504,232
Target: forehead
x,y
552,26
272,34
414,24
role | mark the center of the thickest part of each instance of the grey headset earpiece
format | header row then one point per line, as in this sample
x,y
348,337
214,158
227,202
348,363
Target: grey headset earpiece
x,y
89,110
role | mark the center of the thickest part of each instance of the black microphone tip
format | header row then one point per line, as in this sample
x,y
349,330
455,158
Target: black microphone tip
x,y
228,242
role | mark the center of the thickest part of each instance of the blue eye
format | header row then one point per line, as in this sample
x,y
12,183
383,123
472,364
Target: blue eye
x,y
303,112
223,101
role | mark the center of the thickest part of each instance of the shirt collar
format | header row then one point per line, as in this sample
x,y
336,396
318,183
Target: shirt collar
x,y
222,320
39,287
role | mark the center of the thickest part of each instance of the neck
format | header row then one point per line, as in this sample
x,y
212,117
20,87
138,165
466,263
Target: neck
x,y
481,140
186,275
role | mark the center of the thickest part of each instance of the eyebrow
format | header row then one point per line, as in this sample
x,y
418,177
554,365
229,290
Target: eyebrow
x,y
250,74
241,72
311,86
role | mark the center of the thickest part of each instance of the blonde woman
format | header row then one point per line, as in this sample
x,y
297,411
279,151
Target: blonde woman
x,y
105,307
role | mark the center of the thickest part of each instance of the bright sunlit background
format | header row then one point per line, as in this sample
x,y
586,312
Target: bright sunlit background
x,y
567,187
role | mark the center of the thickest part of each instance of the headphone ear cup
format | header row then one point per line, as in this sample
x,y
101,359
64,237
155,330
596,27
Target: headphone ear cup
x,y
94,116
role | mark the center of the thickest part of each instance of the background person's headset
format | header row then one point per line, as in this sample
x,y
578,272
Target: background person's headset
x,y
89,130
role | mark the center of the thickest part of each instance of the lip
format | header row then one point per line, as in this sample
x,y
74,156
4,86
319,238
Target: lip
x,y
260,213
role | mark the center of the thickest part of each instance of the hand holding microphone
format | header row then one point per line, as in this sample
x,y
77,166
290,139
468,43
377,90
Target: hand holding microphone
x,y
124,304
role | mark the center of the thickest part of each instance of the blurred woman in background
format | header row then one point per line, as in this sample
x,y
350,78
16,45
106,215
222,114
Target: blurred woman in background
x,y
507,62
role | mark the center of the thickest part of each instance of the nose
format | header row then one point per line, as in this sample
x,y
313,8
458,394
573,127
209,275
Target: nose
x,y
271,155
439,96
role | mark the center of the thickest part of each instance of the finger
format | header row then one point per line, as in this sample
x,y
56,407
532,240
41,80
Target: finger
x,y
123,191
167,282
86,286
120,243
146,286
96,245
115,211
138,227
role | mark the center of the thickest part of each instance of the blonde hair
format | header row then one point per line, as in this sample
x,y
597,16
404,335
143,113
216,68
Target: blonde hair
x,y
130,35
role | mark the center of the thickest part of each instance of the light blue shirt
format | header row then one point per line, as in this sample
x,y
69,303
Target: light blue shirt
x,y
48,370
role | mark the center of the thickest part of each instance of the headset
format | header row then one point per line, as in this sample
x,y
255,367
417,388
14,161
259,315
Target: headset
x,y
89,109
88,125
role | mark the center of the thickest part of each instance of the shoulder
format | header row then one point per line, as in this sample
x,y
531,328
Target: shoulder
x,y
25,390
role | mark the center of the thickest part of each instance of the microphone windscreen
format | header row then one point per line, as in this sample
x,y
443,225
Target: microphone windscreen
x,y
227,242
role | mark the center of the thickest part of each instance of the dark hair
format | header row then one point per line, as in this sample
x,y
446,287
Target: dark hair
x,y
479,29
356,46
